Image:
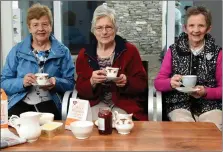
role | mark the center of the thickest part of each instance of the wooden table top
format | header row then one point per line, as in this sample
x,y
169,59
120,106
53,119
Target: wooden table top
x,y
145,136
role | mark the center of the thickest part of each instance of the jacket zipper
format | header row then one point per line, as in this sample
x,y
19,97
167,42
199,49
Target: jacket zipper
x,y
118,57
58,97
13,96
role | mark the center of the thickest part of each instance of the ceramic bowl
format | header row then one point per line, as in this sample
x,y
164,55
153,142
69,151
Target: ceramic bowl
x,y
82,129
46,118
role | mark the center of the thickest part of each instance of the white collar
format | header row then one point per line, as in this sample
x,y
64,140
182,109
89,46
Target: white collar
x,y
197,51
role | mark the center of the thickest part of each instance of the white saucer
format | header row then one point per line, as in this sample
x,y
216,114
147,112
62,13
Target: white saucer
x,y
187,89
41,85
111,78
96,123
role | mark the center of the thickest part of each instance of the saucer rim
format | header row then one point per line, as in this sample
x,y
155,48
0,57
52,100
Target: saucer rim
x,y
47,84
181,89
111,78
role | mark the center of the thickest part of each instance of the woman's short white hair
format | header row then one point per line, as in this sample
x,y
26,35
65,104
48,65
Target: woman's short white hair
x,y
103,11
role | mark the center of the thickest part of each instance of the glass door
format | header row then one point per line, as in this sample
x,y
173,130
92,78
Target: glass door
x,y
76,23
180,11
23,6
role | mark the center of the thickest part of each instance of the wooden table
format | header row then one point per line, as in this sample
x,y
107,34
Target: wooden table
x,y
145,136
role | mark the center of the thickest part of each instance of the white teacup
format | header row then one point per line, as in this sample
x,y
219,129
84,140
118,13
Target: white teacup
x,y
46,118
82,129
111,72
41,78
189,80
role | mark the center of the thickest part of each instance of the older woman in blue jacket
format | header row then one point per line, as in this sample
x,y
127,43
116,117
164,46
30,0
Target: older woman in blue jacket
x,y
40,52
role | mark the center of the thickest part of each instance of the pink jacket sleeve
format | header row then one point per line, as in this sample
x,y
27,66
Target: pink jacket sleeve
x,y
216,93
162,80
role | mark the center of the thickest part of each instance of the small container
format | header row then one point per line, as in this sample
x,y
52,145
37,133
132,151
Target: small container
x,y
105,121
52,129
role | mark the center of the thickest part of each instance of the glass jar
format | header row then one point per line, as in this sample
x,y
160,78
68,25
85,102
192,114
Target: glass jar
x,y
105,121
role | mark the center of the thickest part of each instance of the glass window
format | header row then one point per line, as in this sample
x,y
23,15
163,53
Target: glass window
x,y
76,24
21,11
180,10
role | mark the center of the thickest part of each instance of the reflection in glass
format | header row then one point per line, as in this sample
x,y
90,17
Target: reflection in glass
x,y
180,11
71,34
178,25
23,7
76,25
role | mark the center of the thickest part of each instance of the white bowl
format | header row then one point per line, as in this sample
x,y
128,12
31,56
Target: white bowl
x,y
81,129
46,118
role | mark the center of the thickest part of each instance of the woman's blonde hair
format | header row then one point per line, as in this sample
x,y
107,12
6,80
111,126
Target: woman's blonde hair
x,y
36,11
196,10
103,11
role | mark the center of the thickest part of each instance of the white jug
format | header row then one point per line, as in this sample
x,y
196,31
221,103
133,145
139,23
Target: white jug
x,y
27,126
123,123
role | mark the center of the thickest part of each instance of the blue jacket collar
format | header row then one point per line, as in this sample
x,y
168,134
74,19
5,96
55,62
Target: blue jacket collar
x,y
56,47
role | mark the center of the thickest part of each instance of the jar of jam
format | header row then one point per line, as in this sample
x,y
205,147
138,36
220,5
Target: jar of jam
x,y
105,121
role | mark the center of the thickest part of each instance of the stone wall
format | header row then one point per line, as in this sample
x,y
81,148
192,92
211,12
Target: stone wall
x,y
140,22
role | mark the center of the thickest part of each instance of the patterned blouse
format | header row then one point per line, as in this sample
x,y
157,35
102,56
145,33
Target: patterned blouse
x,y
106,95
36,95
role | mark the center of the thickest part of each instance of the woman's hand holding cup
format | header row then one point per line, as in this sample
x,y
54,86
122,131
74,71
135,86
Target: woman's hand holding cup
x,y
52,84
29,79
175,81
121,80
98,76
201,92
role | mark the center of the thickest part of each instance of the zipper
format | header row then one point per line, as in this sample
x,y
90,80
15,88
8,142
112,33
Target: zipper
x,y
58,97
191,60
57,104
91,57
120,54
13,96
118,57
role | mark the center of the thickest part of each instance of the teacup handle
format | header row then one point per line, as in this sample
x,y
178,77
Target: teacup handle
x,y
14,121
181,83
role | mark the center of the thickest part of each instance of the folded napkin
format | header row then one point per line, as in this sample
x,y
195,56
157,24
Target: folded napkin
x,y
9,139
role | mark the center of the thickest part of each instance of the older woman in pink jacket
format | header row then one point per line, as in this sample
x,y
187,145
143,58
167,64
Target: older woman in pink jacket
x,y
194,53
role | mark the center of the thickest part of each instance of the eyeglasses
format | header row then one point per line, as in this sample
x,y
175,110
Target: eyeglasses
x,y
36,25
101,28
